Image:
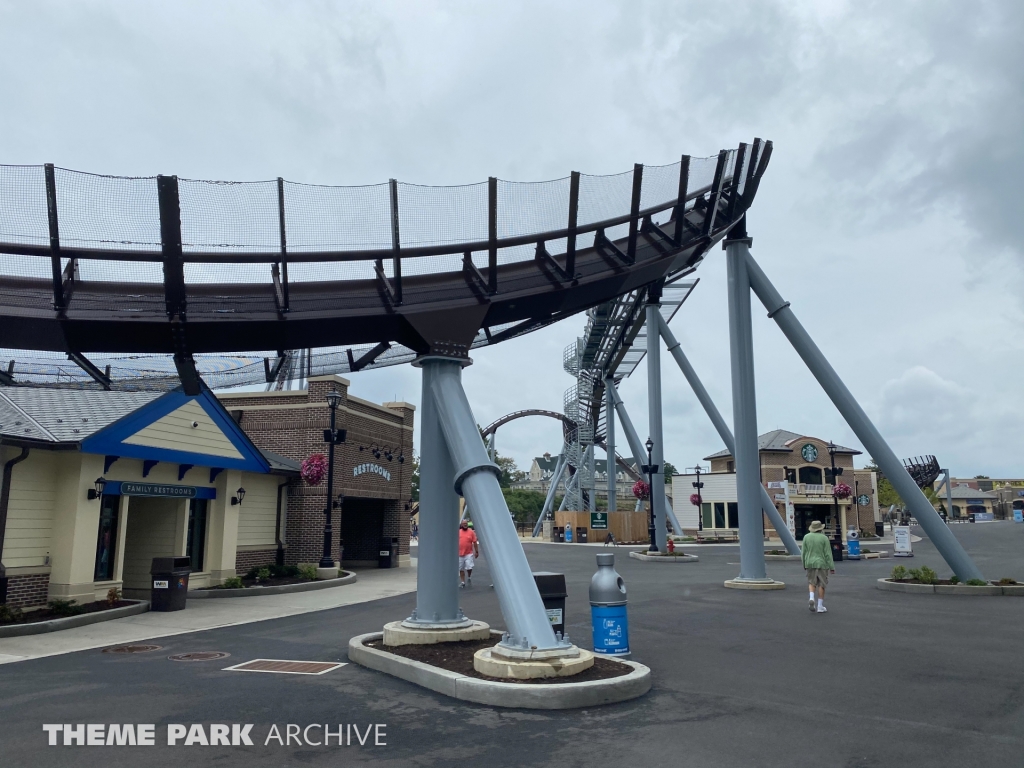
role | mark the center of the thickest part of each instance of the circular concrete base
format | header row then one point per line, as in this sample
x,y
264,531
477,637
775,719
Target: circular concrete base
x,y
678,557
491,664
396,633
754,584
564,695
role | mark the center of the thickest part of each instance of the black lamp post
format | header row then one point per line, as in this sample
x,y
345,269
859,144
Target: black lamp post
x,y
332,436
837,537
700,511
650,469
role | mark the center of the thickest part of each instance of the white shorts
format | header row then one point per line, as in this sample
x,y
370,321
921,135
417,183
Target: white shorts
x,y
466,562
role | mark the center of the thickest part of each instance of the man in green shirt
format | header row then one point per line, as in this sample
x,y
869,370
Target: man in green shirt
x,y
817,557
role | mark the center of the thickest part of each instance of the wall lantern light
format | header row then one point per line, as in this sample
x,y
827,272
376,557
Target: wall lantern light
x,y
96,491
237,498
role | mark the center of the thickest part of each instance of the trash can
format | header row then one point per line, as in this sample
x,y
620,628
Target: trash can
x,y
559,533
169,582
837,549
581,534
568,534
879,529
853,544
388,554
608,619
552,591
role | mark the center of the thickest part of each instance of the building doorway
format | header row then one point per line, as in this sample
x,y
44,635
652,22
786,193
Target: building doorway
x,y
805,514
156,528
362,526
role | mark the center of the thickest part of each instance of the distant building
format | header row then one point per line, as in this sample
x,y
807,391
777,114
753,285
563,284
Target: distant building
x,y
1003,495
543,467
801,460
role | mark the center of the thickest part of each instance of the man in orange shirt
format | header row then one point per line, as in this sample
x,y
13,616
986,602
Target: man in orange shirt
x,y
469,551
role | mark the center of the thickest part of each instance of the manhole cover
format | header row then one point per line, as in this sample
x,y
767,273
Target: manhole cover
x,y
132,649
199,656
282,667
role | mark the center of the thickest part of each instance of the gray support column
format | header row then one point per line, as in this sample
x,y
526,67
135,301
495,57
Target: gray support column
x,y
939,533
949,494
437,589
654,424
767,505
476,478
609,442
744,417
638,450
592,466
549,500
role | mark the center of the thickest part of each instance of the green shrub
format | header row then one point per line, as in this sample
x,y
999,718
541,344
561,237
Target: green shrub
x,y
977,583
954,579
64,608
235,582
262,574
925,575
898,573
284,571
8,613
113,596
1007,582
308,572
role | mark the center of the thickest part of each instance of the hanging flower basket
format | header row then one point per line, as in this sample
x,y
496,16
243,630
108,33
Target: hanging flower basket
x,y
695,499
314,468
641,489
842,491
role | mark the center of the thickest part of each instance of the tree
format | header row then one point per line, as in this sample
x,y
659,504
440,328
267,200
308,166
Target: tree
x,y
887,495
524,506
414,480
670,469
510,473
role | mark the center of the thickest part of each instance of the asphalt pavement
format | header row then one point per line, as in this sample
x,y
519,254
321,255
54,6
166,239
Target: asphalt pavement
x,y
740,679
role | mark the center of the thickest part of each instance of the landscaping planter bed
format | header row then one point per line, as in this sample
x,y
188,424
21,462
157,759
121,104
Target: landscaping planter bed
x,y
659,557
44,620
944,587
272,586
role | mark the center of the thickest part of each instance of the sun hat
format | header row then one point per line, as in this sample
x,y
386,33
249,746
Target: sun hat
x,y
816,526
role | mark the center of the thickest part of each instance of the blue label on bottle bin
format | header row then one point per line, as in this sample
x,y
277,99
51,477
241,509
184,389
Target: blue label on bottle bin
x,y
611,629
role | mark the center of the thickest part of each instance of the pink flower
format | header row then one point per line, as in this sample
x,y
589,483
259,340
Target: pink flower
x,y
641,489
842,491
314,468
695,499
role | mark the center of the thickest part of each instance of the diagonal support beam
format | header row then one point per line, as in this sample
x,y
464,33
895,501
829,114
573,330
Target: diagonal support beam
x,y
100,377
357,364
939,533
723,430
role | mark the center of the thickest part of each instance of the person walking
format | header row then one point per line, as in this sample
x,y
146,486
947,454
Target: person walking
x,y
469,551
817,557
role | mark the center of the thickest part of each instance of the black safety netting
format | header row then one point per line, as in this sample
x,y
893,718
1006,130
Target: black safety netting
x,y
241,234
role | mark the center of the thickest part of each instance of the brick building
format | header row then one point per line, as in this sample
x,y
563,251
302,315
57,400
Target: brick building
x,y
372,471
801,461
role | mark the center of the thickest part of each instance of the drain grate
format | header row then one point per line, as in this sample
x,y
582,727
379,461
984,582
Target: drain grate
x,y
283,667
199,656
132,649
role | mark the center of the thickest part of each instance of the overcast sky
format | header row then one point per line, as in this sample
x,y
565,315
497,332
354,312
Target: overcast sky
x,y
890,216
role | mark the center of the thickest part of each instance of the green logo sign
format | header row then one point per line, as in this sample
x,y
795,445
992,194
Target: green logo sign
x,y
863,500
599,521
809,452
154,489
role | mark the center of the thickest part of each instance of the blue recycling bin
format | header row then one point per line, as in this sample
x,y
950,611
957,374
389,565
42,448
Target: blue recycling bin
x,y
568,534
608,619
853,547
1018,515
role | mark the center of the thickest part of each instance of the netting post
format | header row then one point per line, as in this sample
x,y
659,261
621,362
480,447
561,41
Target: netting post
x,y
684,181
570,238
634,211
51,215
396,241
715,194
492,235
170,243
284,246
737,174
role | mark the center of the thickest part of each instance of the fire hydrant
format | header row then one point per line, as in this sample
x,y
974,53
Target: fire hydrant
x,y
671,546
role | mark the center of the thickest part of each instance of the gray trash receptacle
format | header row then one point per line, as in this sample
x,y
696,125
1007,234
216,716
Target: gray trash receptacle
x,y
169,583
552,591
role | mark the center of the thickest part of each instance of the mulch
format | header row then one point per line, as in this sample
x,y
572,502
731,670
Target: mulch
x,y
45,614
273,581
458,657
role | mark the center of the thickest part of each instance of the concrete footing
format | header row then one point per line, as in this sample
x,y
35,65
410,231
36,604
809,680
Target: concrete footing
x,y
398,633
754,584
565,695
490,662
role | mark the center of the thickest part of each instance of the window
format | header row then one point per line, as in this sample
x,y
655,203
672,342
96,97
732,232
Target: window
x,y
106,540
719,514
730,466
196,547
791,475
705,510
810,475
828,474
734,515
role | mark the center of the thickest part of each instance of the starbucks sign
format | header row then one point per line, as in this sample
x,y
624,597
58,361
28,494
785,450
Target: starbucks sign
x,y
809,452
863,500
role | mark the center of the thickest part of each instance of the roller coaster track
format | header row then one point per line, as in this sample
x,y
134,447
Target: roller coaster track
x,y
139,283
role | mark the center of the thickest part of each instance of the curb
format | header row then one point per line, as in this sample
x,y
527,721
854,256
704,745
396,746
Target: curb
x,y
761,586
960,590
516,695
680,558
55,625
280,589
783,558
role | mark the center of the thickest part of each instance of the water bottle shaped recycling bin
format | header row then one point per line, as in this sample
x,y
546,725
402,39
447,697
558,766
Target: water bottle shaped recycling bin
x,y
608,609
